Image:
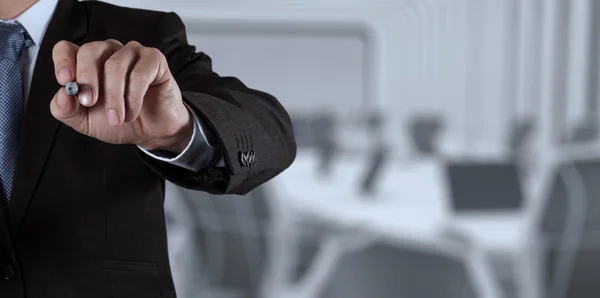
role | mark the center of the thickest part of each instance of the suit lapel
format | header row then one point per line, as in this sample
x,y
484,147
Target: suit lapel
x,y
69,22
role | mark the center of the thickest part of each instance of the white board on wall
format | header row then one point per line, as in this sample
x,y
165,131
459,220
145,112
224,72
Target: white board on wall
x,y
306,71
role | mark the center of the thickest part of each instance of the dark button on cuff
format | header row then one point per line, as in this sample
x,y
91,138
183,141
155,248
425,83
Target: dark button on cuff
x,y
247,158
9,272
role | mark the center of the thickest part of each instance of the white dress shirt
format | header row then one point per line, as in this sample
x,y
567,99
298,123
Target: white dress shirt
x,y
198,152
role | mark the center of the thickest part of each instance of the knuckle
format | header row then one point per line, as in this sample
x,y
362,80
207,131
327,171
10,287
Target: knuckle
x,y
112,41
94,48
61,44
133,43
153,53
90,47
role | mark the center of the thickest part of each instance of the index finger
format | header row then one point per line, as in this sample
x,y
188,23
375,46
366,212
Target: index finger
x,y
64,55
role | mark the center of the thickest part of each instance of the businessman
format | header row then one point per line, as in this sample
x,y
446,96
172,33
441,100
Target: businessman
x,y
82,176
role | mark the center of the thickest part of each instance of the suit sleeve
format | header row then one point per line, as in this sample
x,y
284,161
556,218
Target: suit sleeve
x,y
251,126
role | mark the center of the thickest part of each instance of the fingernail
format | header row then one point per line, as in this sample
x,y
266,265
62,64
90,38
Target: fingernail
x,y
64,75
85,97
113,117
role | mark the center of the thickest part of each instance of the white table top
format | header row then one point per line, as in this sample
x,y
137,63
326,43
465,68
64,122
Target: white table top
x,y
338,200
412,202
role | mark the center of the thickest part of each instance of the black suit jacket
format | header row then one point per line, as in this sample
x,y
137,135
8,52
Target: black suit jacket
x,y
86,218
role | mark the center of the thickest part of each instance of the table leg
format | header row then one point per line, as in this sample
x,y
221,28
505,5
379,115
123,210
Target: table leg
x,y
528,269
483,277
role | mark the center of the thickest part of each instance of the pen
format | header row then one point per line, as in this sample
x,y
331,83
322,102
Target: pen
x,y
72,88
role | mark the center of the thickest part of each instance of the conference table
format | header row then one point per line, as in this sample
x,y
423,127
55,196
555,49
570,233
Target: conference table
x,y
410,205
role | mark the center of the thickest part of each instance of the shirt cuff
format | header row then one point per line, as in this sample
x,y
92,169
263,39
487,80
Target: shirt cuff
x,y
198,154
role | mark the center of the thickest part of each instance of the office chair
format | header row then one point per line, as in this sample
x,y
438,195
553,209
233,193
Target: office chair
x,y
424,131
323,129
183,246
585,131
520,133
388,270
374,122
302,131
245,240
254,216
563,222
224,250
302,253
373,170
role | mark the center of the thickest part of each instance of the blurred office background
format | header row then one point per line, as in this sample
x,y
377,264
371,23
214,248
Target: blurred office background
x,y
447,149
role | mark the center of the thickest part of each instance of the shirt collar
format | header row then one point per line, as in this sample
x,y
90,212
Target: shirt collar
x,y
36,18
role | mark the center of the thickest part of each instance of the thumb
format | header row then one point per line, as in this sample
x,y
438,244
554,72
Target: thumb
x,y
66,109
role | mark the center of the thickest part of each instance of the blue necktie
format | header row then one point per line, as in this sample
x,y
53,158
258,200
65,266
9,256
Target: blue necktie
x,y
13,40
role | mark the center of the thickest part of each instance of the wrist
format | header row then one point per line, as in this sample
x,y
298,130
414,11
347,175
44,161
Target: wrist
x,y
181,139
178,140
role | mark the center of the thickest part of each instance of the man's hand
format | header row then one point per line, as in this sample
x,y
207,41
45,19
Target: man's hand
x,y
127,95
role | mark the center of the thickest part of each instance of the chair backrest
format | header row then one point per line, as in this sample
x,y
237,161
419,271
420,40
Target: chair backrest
x,y
374,170
230,238
323,128
520,133
556,224
590,171
374,121
586,131
554,217
184,253
324,138
424,131
302,131
383,270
